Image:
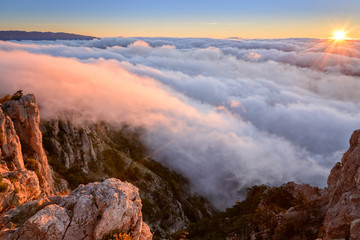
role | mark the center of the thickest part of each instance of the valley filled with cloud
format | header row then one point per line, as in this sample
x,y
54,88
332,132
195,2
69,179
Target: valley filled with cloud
x,y
226,113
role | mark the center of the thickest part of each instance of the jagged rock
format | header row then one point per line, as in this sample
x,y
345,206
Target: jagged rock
x,y
76,145
23,186
145,232
49,223
24,113
10,147
343,214
89,212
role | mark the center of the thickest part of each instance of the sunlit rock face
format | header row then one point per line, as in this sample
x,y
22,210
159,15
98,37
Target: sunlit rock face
x,y
18,185
24,114
343,215
89,212
10,144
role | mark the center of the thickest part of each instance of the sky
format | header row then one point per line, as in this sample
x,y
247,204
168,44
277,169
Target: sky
x,y
185,18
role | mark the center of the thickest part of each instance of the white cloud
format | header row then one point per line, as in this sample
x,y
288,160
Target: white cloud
x,y
226,113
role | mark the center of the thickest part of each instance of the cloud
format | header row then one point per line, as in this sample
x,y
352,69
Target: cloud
x,y
227,114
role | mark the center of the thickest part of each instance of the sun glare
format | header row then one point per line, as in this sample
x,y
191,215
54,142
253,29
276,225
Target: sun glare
x,y
339,35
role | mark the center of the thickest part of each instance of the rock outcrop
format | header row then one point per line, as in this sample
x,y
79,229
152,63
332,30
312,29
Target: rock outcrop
x,y
10,150
89,212
24,113
18,185
343,214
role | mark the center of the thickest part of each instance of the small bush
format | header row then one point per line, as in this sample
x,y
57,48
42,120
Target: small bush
x,y
132,174
113,161
76,176
58,166
148,208
5,99
3,187
148,177
31,164
117,235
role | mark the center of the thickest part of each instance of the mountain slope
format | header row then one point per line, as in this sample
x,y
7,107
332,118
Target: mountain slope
x,y
92,152
23,35
294,211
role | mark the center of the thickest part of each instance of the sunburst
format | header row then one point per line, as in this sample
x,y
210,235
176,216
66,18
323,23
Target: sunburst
x,y
339,35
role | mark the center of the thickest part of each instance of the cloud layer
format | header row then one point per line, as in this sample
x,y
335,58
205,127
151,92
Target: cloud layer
x,y
228,114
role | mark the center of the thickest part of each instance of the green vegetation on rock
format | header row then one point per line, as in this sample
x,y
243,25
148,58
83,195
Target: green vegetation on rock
x,y
31,164
260,215
3,186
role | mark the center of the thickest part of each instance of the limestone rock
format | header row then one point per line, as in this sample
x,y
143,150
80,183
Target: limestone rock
x,y
100,208
24,113
50,223
89,212
344,195
10,147
145,232
23,186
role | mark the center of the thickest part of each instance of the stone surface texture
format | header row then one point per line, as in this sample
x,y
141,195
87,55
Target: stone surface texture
x,y
89,212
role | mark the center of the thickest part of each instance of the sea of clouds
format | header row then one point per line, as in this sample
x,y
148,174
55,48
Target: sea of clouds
x,y
226,113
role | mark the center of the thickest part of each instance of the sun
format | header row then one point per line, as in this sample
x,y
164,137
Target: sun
x,y
339,35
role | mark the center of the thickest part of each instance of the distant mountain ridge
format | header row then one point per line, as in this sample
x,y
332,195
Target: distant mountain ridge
x,y
24,35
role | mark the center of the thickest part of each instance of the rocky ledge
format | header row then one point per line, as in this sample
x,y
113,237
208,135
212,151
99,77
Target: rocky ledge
x,y
343,215
89,212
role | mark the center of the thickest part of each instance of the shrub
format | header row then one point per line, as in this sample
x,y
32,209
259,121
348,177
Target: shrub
x,y
148,208
128,140
75,176
58,166
280,197
113,161
3,187
132,173
31,164
117,235
5,99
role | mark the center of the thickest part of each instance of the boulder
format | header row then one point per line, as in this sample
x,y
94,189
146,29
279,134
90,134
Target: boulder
x,y
89,212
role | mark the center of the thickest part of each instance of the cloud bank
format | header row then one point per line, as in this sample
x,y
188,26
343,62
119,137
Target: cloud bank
x,y
227,114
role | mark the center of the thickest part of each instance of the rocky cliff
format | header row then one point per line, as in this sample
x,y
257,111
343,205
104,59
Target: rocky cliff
x,y
343,214
28,207
19,184
24,114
